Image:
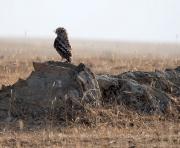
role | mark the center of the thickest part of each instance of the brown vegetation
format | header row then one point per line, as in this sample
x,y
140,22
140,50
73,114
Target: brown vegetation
x,y
115,126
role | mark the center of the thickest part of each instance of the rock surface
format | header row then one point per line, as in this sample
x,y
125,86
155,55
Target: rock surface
x,y
65,92
61,88
147,92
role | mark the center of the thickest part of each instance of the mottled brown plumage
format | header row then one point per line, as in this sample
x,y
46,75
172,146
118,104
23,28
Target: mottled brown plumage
x,y
62,45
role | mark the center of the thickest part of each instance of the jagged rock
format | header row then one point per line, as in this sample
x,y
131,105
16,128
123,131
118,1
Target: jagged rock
x,y
136,96
66,92
147,92
167,81
61,88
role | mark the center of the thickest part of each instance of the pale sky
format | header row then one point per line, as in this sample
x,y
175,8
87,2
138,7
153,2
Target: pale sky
x,y
140,20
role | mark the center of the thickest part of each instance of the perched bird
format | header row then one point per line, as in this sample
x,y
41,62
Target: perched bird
x,y
62,45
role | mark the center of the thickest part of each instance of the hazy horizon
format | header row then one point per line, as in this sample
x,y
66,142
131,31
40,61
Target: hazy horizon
x,y
122,20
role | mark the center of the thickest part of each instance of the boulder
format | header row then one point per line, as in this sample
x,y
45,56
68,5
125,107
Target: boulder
x,y
144,92
67,92
61,89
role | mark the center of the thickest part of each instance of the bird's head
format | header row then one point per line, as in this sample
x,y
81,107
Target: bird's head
x,y
60,31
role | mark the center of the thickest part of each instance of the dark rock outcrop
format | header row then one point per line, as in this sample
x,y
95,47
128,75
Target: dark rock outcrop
x,y
147,92
53,87
66,92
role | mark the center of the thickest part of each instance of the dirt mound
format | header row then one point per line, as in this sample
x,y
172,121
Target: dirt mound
x,y
67,92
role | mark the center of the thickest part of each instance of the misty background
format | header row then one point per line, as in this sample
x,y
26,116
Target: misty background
x,y
125,20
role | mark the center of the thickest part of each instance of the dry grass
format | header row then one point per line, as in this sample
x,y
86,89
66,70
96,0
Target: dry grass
x,y
100,136
119,128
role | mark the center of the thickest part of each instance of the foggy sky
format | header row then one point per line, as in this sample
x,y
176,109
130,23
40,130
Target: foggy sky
x,y
141,20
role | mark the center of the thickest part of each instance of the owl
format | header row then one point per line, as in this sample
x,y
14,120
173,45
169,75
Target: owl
x,y
62,45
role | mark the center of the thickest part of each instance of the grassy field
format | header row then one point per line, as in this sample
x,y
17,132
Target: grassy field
x,y
122,127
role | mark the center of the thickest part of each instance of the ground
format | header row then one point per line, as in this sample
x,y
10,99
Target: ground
x,y
120,127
